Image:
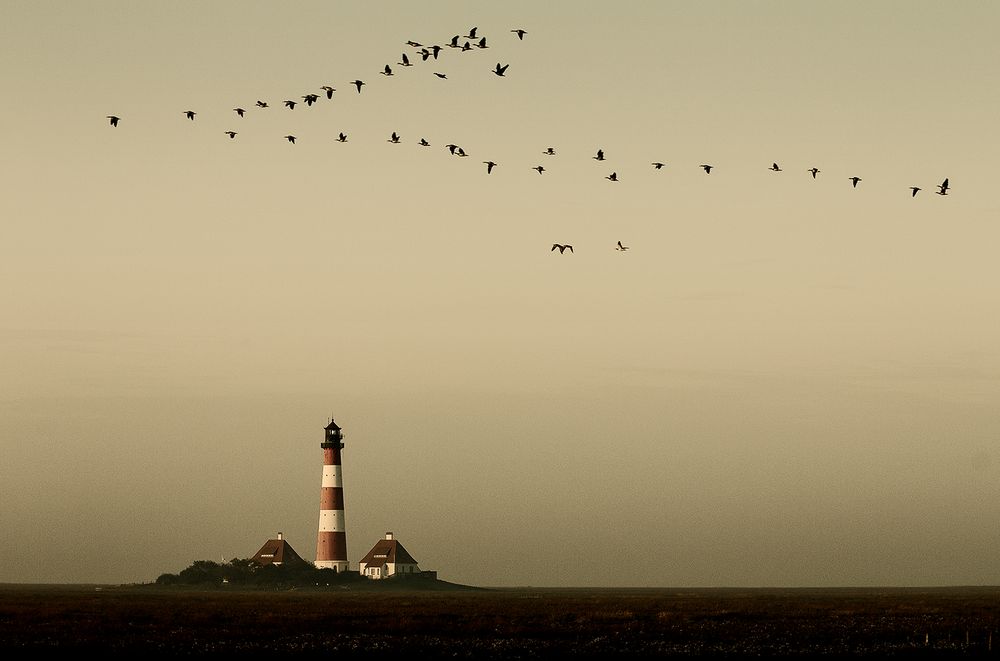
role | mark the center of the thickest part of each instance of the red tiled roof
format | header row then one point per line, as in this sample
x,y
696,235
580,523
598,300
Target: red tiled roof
x,y
276,551
386,551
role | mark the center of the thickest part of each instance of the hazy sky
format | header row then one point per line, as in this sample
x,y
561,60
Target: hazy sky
x,y
785,381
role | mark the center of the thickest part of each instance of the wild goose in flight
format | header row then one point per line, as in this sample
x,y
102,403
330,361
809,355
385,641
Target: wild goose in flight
x,y
424,54
489,166
658,165
329,91
239,111
539,168
290,104
452,148
342,137
814,171
387,71
942,188
414,44
231,134
440,75
261,104
114,120
500,70
621,247
405,62
460,152
482,43
854,181
472,34
190,114
423,143
612,177
310,99
466,46
914,190
707,168
599,156
774,166
358,84
550,151
520,33
454,42
435,50
290,138
562,247
394,138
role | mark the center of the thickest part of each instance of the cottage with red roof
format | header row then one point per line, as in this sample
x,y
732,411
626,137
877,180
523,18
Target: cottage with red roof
x,y
277,552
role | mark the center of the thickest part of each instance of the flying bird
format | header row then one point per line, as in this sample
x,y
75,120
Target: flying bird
x,y
190,114
239,111
261,104
520,33
658,165
342,137
114,120
461,152
454,41
942,188
440,75
231,134
424,143
814,171
290,104
290,138
358,84
550,151
310,99
414,44
435,50
599,156
774,166
394,137
472,34
854,181
405,62
424,53
707,168
562,248
452,148
612,177
914,189
621,247
329,91
482,43
466,46
539,168
500,70
387,71
489,166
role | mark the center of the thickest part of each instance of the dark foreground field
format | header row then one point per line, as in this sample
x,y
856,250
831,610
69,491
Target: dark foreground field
x,y
144,621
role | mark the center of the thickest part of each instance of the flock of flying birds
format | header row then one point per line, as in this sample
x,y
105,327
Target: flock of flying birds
x,y
473,41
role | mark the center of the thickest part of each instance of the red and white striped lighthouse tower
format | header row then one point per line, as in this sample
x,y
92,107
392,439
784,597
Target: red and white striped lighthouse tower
x,y
331,543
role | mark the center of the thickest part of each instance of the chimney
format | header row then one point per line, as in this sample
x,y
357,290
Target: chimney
x,y
388,535
279,536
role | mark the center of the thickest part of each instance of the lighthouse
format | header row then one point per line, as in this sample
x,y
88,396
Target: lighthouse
x,y
331,542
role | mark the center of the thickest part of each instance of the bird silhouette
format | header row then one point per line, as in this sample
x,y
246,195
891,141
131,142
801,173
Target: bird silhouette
x,y
290,138
405,62
550,151
854,181
500,70
562,247
539,168
394,137
452,148
435,50
415,44
454,41
310,99
482,43
489,166
460,152
358,84
114,120
612,177
621,247
424,143
290,104
774,166
329,91
424,54
914,189
440,75
520,33
599,156
472,34
387,71
239,111
342,137
190,114
658,165
814,171
466,46
261,104
231,134
707,168
942,188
